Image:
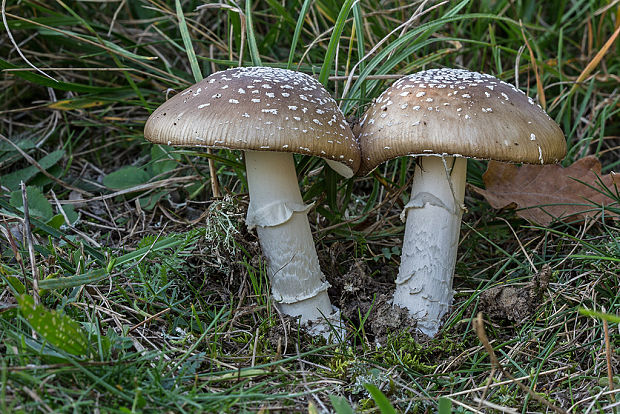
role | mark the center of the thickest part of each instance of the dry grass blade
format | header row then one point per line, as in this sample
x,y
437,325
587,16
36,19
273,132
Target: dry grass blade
x,y
539,85
610,371
596,60
141,187
16,46
482,336
30,242
35,164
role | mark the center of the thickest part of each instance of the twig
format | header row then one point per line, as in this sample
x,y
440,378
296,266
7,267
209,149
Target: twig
x,y
68,222
527,256
141,187
9,237
215,184
302,370
482,336
506,382
28,234
253,363
610,371
38,399
147,320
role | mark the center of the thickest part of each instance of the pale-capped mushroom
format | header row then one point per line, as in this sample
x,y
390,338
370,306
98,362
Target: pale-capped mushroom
x,y
444,116
270,114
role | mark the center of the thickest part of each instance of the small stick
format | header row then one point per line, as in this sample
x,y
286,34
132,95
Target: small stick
x,y
28,233
482,336
147,320
18,256
215,185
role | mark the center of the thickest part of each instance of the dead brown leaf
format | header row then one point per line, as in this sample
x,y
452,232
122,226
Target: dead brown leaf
x,y
543,193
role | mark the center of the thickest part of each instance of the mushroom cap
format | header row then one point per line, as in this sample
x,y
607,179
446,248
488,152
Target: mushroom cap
x,y
259,109
458,113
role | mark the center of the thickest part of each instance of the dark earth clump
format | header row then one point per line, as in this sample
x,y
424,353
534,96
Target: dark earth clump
x,y
361,297
515,304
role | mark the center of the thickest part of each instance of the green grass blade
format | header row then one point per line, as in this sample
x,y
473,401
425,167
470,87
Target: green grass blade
x,y
600,315
334,42
358,21
254,54
73,281
298,27
341,405
187,42
445,406
380,399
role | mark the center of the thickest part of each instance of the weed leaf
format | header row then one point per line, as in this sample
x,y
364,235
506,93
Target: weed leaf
x,y
126,177
59,330
13,179
380,399
38,206
341,405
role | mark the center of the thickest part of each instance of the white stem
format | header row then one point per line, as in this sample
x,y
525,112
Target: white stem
x,y
277,210
424,283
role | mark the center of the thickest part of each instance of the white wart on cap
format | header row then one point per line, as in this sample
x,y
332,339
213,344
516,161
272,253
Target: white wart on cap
x,y
259,109
459,113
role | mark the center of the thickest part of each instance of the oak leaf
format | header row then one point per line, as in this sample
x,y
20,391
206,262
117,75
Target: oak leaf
x,y
544,193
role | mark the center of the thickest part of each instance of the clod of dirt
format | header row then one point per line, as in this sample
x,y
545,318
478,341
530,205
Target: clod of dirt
x,y
513,303
283,336
386,318
360,295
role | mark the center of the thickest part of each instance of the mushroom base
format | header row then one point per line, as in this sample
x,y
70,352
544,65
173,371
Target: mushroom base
x,y
424,283
277,210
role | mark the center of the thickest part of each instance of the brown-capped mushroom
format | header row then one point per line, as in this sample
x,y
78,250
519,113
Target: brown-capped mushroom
x,y
444,116
270,114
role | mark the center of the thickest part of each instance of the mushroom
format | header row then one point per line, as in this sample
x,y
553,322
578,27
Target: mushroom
x,y
444,116
270,114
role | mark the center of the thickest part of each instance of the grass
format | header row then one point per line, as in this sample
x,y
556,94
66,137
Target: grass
x,y
165,286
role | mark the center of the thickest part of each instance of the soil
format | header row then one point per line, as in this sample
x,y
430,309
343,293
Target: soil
x,y
362,298
515,304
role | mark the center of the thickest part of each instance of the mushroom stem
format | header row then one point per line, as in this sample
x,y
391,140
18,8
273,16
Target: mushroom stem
x,y
424,283
280,216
